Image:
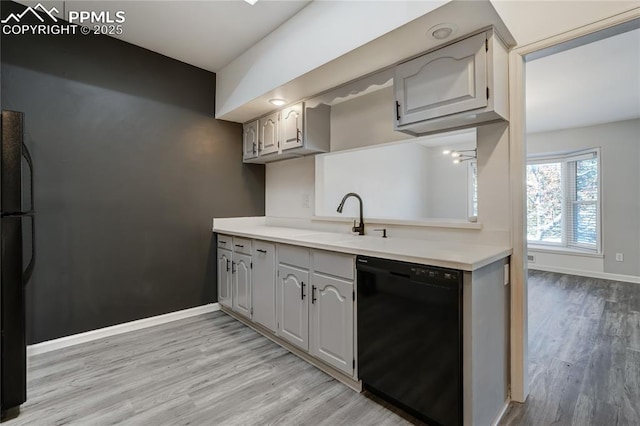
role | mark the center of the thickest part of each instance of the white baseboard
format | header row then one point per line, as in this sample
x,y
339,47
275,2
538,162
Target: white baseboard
x,y
88,336
590,274
504,410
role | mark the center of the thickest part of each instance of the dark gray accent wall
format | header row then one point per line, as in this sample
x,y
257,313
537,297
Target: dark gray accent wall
x,y
130,169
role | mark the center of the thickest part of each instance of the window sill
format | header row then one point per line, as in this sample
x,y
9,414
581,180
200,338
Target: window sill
x,y
562,250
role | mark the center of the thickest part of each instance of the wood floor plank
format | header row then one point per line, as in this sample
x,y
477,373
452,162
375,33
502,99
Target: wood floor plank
x,y
593,327
209,369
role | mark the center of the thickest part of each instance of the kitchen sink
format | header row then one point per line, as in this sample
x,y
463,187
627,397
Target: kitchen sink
x,y
327,237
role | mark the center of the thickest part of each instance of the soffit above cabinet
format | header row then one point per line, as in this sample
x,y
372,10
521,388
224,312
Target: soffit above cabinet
x,y
403,43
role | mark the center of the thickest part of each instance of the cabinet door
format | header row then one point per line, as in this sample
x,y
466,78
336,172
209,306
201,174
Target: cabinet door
x,y
224,277
268,138
332,321
264,284
250,140
241,269
291,127
293,305
447,81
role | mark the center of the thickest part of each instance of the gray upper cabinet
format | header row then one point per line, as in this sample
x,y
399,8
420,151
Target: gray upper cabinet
x,y
293,305
295,131
264,284
291,127
250,140
224,277
460,85
331,327
268,142
241,271
443,82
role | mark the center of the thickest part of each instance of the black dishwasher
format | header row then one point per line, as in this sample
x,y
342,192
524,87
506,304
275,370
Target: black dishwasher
x,y
410,337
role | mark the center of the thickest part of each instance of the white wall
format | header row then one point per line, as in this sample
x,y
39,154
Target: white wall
x,y
534,20
448,184
318,34
620,190
287,181
288,184
364,121
391,179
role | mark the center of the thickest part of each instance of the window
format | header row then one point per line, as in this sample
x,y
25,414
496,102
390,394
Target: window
x,y
563,207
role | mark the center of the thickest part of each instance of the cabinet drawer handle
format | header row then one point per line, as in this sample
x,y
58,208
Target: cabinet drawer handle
x,y
227,265
313,294
239,245
222,242
262,251
302,290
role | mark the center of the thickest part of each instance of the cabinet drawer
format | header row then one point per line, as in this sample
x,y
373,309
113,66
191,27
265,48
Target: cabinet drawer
x,y
242,245
336,264
294,256
225,241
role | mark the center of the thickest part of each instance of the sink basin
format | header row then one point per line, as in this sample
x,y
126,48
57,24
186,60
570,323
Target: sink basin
x,y
326,237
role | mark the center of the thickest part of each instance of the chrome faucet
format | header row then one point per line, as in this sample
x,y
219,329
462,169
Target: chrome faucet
x,y
360,228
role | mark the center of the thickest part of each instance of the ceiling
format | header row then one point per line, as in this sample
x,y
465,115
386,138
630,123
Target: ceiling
x,y
207,34
592,84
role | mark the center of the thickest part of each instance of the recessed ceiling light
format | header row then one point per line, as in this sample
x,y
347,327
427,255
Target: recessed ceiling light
x,y
277,102
251,2
442,31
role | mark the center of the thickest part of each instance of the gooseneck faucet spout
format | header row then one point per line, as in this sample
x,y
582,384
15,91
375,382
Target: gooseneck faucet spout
x,y
360,228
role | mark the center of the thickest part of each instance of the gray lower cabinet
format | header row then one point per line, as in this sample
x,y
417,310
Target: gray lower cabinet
x,y
264,284
293,305
241,271
331,327
224,277
304,296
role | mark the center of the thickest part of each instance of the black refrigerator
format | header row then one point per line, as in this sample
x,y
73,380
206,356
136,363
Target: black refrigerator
x,y
17,259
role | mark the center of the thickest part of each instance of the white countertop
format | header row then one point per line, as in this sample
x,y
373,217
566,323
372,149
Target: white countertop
x,y
457,255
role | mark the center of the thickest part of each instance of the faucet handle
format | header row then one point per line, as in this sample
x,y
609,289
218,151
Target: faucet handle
x,y
384,232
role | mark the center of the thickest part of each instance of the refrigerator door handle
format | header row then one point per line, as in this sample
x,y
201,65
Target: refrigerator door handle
x,y
27,156
26,275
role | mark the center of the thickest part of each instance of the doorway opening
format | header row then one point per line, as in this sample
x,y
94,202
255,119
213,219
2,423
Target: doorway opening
x,y
583,230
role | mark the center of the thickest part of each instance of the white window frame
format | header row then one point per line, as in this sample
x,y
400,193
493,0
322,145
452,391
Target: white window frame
x,y
472,164
567,219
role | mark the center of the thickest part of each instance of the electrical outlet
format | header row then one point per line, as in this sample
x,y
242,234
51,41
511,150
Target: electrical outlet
x,y
619,257
306,201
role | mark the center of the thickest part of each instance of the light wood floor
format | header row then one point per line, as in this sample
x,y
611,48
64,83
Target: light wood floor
x,y
584,345
211,370
206,370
